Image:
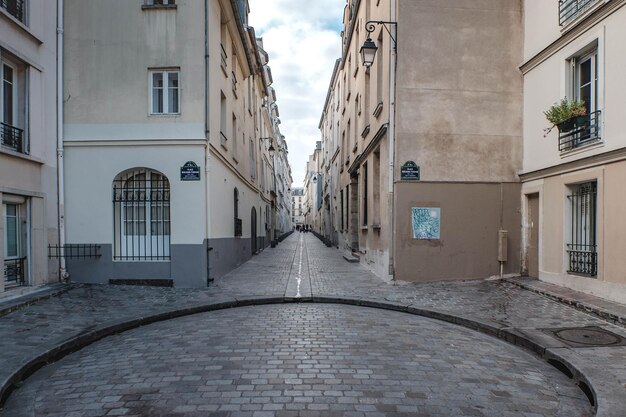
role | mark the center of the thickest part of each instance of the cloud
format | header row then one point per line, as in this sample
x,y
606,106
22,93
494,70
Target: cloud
x,y
303,41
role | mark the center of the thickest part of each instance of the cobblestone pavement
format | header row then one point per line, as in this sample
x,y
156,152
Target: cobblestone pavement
x,y
301,359
302,267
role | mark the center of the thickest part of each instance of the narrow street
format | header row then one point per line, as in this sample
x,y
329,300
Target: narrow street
x,y
298,331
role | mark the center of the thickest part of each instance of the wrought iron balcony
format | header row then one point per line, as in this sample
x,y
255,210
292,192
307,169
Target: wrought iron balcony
x,y
571,9
14,7
580,131
12,137
14,272
583,259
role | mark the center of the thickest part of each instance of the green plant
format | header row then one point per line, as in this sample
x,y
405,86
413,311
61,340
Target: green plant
x,y
563,111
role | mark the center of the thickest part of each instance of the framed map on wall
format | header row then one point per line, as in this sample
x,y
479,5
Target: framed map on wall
x,y
426,222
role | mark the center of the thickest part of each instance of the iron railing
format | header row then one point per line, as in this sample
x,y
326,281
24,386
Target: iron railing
x,y
583,259
583,130
12,137
83,250
223,57
238,227
14,273
570,9
582,249
15,8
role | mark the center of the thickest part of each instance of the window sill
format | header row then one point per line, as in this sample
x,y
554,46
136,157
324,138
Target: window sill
x,y
364,228
164,115
159,6
15,154
21,25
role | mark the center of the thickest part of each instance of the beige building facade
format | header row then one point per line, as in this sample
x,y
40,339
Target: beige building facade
x,y
28,142
443,95
171,141
572,198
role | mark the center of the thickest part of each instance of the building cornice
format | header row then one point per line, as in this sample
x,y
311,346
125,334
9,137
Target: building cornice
x,y
589,21
617,155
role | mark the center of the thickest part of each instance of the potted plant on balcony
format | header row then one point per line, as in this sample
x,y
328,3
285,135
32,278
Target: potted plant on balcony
x,y
566,115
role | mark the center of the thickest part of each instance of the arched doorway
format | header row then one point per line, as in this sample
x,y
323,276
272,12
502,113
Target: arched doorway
x,y
253,231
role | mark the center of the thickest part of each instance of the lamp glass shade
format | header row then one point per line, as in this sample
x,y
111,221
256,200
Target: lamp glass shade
x,y
368,52
271,148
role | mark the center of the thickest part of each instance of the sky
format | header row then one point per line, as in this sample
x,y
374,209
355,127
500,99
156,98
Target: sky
x,y
303,40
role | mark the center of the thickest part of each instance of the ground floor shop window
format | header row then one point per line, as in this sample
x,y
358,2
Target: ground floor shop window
x,y
141,210
582,247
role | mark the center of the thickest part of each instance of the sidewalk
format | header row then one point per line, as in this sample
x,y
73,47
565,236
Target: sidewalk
x,y
302,269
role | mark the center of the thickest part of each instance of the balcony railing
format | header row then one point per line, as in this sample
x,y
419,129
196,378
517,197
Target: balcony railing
x,y
14,272
571,9
583,259
14,7
583,130
12,137
238,227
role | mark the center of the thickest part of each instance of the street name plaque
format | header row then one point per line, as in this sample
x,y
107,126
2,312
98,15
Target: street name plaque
x,y
190,172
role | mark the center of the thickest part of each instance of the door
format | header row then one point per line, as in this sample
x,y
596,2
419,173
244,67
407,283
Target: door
x,y
532,252
253,231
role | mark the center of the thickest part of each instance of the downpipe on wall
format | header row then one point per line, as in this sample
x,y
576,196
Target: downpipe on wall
x,y
64,275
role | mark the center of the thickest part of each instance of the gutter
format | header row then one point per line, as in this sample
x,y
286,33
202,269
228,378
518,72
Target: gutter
x,y
207,135
63,274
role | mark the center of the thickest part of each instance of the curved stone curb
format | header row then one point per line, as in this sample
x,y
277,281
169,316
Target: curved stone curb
x,y
82,340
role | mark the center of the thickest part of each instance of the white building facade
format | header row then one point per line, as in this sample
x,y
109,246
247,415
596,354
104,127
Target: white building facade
x,y
28,141
169,132
573,177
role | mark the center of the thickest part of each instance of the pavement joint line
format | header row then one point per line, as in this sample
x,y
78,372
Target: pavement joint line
x,y
579,305
85,339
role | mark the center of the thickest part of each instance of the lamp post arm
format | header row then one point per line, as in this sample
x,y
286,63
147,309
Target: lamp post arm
x,y
370,26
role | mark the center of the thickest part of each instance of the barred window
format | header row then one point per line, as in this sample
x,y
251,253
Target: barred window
x,y
141,216
582,247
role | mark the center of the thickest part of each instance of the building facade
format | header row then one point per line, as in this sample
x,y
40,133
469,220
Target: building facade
x,y
28,142
297,206
172,143
573,177
422,146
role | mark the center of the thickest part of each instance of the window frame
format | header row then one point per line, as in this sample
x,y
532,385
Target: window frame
x,y
582,212
165,72
14,85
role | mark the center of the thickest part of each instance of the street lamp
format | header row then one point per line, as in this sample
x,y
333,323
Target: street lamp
x,y
271,148
369,48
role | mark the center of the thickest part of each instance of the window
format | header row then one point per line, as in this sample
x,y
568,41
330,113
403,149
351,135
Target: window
x,y
223,118
164,92
234,136
11,135
13,260
15,8
252,160
582,248
365,195
238,222
160,2
584,87
141,216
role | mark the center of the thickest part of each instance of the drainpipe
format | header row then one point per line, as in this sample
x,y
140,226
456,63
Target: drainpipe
x,y
207,134
63,274
391,139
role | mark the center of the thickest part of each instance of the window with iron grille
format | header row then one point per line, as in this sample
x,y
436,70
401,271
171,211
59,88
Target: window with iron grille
x,y
14,261
583,72
141,216
238,222
582,247
15,8
11,114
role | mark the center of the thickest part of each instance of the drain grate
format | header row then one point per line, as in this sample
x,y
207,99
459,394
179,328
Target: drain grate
x,y
590,336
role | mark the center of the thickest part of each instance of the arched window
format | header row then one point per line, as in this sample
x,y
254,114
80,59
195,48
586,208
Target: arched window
x,y
238,222
141,216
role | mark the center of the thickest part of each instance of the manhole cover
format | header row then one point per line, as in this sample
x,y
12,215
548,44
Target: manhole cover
x,y
591,336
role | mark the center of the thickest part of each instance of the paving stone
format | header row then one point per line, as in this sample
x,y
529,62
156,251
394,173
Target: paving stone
x,y
302,268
